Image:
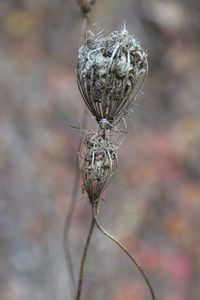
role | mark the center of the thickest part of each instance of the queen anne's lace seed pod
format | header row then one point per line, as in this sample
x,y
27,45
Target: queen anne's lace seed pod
x,y
98,163
110,72
86,5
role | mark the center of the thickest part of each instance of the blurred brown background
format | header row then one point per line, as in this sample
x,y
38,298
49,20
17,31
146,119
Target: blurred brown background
x,y
153,203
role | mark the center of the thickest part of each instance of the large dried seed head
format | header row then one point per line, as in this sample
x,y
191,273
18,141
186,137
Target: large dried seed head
x,y
98,163
110,72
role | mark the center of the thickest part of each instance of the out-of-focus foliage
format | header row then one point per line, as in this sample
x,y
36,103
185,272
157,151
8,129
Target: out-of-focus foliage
x,y
153,204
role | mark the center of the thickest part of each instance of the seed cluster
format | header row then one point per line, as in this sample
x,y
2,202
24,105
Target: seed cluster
x,y
110,72
98,163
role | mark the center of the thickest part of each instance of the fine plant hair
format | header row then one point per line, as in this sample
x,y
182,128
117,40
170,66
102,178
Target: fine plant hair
x,y
110,73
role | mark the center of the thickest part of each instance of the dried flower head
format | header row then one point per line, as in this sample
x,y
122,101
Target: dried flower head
x,y
98,163
110,72
86,5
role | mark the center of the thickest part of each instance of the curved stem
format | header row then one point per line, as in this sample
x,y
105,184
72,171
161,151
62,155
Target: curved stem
x,y
83,260
94,213
67,231
69,217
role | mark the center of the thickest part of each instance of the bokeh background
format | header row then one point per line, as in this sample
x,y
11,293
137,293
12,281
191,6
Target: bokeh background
x,y
153,203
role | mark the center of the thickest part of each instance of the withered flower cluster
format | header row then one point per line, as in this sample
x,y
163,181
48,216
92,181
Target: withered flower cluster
x,y
86,5
98,162
110,72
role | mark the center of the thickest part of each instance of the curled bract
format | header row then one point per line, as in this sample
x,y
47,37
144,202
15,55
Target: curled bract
x,y
110,72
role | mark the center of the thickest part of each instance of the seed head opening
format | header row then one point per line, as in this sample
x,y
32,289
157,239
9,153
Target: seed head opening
x,y
110,72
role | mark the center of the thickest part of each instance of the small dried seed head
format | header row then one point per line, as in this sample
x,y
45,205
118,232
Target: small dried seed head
x,y
110,72
86,5
98,163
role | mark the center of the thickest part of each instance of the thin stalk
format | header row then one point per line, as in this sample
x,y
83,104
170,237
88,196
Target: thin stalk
x,y
68,220
68,259
67,230
83,260
86,24
94,213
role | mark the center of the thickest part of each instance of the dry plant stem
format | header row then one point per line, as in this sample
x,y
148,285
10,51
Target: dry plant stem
x,y
67,230
94,213
85,24
69,219
83,260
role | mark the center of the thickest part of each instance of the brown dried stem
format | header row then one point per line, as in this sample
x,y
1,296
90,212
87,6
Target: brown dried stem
x,y
67,230
68,220
94,213
83,260
86,7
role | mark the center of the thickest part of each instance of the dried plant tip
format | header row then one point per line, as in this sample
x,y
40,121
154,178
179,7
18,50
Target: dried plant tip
x,y
110,72
86,5
98,163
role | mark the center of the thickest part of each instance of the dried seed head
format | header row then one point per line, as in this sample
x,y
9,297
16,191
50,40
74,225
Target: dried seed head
x,y
98,163
86,5
110,72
